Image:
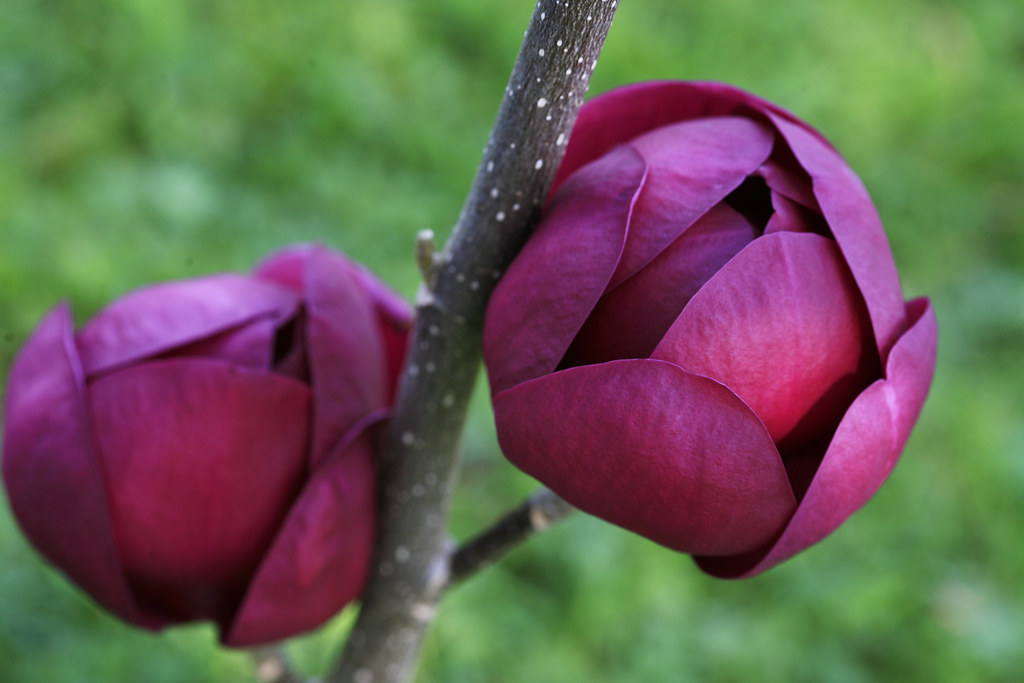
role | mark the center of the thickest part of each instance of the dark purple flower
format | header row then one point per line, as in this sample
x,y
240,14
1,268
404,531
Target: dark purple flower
x,y
200,449
705,341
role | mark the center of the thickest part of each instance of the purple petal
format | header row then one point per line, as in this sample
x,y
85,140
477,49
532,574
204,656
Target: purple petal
x,y
394,321
643,444
159,318
201,461
862,454
556,280
53,479
783,326
357,333
631,319
319,561
790,216
286,267
692,166
346,358
622,114
784,175
857,229
250,345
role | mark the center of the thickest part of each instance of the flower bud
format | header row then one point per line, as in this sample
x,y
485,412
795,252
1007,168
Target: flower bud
x,y
200,450
705,341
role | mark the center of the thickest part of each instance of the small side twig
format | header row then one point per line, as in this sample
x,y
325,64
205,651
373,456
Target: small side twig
x,y
538,512
273,665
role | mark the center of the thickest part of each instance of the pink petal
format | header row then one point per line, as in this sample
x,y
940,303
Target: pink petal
x,y
201,461
631,319
319,561
250,345
287,267
394,322
857,228
53,479
620,115
556,280
862,454
784,175
394,335
161,317
790,216
691,167
782,325
666,454
346,357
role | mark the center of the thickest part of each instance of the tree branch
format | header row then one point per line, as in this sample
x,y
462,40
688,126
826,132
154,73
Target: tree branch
x,y
419,461
535,514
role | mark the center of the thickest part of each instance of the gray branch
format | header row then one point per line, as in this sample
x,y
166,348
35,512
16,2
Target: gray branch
x,y
535,514
420,462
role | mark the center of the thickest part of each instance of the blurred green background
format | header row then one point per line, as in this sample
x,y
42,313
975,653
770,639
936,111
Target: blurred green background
x,y
143,140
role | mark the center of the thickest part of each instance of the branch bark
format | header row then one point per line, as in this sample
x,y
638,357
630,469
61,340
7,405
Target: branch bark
x,y
419,460
535,514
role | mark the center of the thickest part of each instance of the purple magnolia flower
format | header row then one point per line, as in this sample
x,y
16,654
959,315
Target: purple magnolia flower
x,y
705,341
200,449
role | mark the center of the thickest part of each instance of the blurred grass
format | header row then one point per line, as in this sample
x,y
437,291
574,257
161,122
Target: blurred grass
x,y
144,140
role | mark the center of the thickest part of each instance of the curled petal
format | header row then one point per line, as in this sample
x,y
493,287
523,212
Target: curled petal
x,y
53,479
533,317
863,452
357,335
196,492
250,345
643,444
622,114
789,216
347,362
783,326
632,318
394,321
856,227
785,177
159,318
287,268
692,166
319,561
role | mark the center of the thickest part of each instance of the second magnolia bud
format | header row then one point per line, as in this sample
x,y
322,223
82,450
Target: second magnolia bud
x,y
200,449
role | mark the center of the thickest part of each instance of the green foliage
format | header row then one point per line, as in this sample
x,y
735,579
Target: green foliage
x,y
144,140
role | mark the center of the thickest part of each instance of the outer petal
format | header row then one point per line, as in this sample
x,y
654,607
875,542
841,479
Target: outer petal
x,y
862,454
156,319
692,166
556,280
287,267
53,479
622,114
250,345
319,561
783,326
201,461
669,455
632,318
346,355
394,321
856,226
